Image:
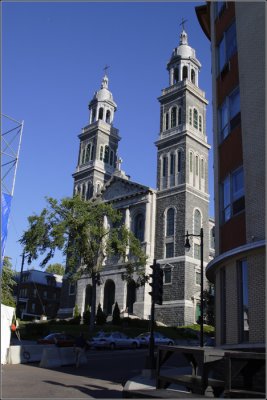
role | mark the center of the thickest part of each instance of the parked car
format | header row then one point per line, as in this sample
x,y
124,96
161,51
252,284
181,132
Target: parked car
x,y
158,338
60,339
114,340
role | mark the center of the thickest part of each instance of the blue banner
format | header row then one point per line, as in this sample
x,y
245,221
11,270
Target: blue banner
x,y
6,205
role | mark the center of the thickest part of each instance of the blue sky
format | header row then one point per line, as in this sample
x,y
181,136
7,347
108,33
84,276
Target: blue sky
x,y
53,55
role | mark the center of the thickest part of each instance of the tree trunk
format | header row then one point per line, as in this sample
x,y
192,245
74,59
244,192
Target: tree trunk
x,y
93,305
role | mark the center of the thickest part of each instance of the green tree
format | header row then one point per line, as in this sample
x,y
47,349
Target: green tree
x,y
86,315
78,229
116,315
100,316
7,283
209,305
56,268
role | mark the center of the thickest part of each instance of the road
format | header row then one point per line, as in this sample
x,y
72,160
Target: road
x,y
102,377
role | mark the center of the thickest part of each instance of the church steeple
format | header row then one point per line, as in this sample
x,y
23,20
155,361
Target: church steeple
x,y
98,144
183,63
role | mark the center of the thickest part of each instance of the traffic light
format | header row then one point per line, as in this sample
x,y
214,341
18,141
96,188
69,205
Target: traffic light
x,y
156,284
158,291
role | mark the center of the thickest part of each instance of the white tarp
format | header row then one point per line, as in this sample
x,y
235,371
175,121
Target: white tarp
x,y
6,321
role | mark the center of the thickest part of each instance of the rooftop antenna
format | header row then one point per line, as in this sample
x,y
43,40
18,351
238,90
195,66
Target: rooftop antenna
x,y
183,22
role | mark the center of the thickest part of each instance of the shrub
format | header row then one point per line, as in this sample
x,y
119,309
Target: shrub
x,y
86,315
76,320
100,316
116,317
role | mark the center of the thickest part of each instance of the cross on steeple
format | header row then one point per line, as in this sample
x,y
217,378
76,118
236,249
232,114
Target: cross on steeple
x,y
183,22
105,68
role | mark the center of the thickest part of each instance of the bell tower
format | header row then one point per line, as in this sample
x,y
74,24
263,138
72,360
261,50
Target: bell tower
x,y
98,144
182,183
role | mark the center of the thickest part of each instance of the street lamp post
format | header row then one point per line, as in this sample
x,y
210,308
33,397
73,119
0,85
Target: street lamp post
x,y
187,247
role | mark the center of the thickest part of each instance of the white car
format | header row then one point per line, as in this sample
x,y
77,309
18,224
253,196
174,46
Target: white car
x,y
114,340
158,338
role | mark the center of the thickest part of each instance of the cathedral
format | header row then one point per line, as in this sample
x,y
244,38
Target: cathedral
x,y
159,218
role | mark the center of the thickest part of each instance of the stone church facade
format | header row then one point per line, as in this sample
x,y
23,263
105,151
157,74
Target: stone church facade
x,y
158,217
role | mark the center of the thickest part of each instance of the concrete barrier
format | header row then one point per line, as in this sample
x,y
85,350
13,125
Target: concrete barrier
x,y
24,354
60,356
50,358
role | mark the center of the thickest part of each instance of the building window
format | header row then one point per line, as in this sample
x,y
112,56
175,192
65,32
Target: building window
x,y
191,162
198,278
175,75
197,251
164,168
185,72
195,119
45,294
180,116
173,117
93,114
190,116
229,116
232,195
167,121
200,123
83,156
243,299
197,222
100,113
101,153
202,168
172,164
227,47
88,151
33,307
92,152
167,275
111,157
139,224
196,165
193,76
108,117
223,305
106,156
169,250
170,222
179,161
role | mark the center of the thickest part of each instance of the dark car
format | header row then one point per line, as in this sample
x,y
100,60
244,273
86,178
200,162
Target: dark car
x,y
60,339
210,342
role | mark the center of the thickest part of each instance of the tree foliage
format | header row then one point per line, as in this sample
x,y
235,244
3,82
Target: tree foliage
x,y
209,302
56,268
116,315
7,283
87,232
100,316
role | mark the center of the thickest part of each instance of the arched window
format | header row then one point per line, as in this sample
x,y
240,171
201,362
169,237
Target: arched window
x,y
83,156
200,123
108,117
101,153
185,72
100,113
170,222
93,114
173,117
92,152
87,155
83,191
202,169
190,116
175,75
89,191
193,76
164,166
191,162
139,224
167,121
106,156
111,157
197,222
195,118
196,165
179,161
172,162
180,116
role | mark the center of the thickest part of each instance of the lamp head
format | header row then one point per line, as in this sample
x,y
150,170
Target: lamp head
x,y
187,243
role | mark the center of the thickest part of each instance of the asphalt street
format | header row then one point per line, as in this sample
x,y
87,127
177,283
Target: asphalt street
x,y
102,377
